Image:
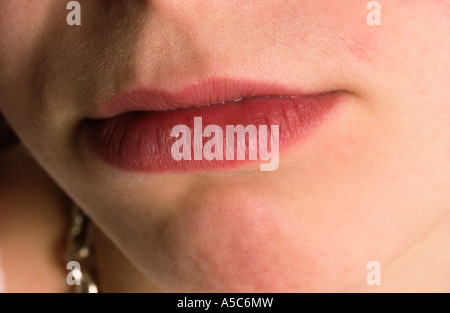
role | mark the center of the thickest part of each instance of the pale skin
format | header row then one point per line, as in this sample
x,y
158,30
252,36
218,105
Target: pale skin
x,y
372,183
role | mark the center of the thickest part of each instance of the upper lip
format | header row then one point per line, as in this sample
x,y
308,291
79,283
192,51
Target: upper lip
x,y
197,94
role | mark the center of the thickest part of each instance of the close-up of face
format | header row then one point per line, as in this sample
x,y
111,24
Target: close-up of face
x,y
358,128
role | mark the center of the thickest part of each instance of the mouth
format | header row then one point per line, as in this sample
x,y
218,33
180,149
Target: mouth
x,y
216,124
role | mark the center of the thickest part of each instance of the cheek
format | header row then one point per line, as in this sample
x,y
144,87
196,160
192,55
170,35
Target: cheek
x,y
22,24
25,21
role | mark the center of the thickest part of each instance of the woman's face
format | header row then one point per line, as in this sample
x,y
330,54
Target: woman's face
x,y
365,184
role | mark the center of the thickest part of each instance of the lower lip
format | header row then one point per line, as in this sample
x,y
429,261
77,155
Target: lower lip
x,y
141,141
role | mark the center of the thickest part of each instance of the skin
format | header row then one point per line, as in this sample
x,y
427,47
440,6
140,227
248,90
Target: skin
x,y
370,184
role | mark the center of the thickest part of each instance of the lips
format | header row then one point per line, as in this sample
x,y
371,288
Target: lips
x,y
134,130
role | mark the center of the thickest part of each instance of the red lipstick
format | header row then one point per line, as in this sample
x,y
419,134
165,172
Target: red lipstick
x,y
134,131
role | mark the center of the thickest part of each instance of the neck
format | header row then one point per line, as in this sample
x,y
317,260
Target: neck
x,y
116,274
422,268
6,135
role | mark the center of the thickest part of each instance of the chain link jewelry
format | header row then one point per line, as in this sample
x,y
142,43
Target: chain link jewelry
x,y
79,249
